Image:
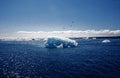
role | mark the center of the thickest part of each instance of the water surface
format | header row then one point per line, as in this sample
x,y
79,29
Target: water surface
x,y
90,59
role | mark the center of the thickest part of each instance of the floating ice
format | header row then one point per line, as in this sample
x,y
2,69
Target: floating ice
x,y
86,38
93,38
106,41
59,42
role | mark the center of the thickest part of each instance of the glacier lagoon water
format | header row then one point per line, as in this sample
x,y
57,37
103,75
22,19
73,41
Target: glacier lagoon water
x,y
90,59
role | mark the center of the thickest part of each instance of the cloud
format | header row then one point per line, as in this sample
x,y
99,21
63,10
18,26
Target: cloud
x,y
69,33
74,33
30,32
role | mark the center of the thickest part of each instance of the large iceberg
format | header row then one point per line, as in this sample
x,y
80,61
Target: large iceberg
x,y
59,42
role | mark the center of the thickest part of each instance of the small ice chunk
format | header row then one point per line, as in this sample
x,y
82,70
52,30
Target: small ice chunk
x,y
106,41
93,38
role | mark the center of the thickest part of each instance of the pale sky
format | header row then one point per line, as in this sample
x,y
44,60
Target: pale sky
x,y
52,15
59,15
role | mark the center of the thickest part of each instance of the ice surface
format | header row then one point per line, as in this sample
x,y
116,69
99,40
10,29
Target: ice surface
x,y
106,41
59,42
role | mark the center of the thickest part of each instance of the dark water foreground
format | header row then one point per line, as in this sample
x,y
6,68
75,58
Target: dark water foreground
x,y
90,59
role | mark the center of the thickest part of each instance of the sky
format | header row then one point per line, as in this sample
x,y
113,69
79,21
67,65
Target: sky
x,y
58,15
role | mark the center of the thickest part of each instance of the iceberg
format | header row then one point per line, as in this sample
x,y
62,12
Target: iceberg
x,y
59,42
106,41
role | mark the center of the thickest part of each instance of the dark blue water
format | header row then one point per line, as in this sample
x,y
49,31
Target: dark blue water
x,y
90,59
